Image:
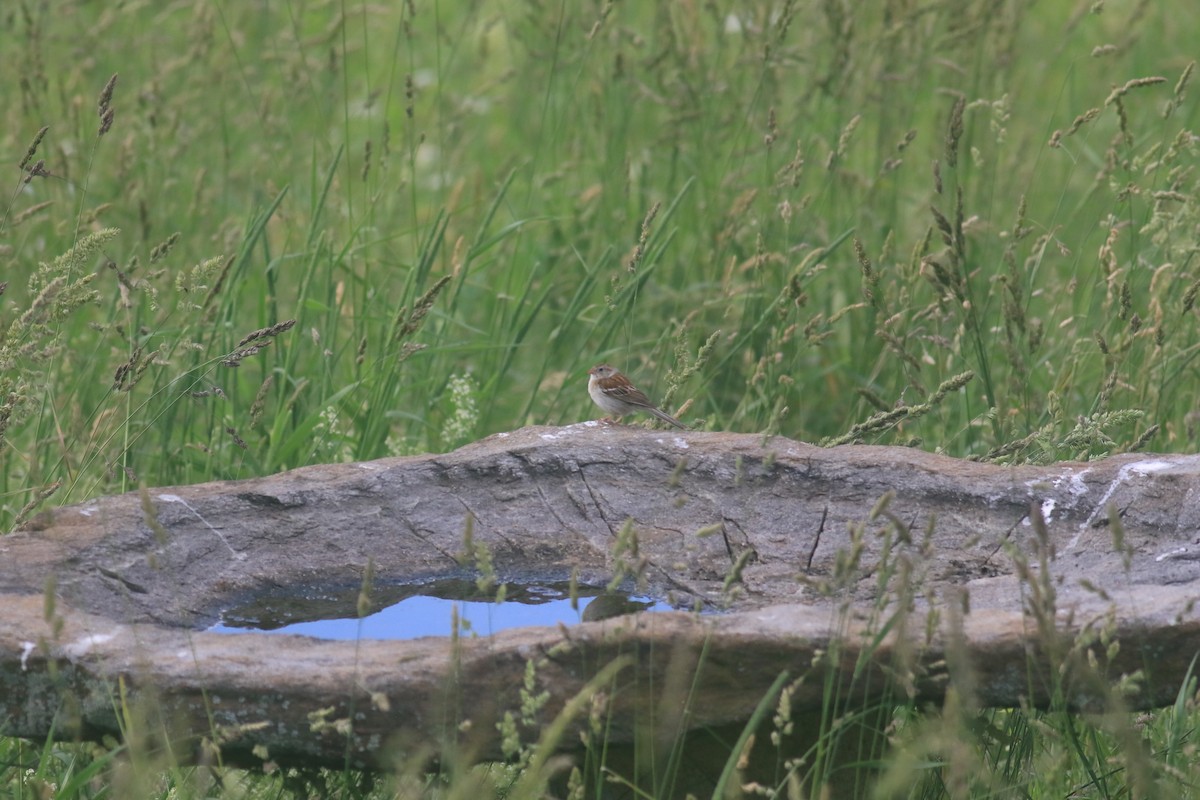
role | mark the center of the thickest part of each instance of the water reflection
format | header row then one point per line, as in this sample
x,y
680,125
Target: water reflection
x,y
410,612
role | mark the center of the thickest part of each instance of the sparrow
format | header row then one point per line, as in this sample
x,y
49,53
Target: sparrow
x,y
615,395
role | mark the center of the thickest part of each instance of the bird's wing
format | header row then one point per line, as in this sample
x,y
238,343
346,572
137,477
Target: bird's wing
x,y
630,394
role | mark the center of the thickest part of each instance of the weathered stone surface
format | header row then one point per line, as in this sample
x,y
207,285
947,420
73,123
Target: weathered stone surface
x,y
777,533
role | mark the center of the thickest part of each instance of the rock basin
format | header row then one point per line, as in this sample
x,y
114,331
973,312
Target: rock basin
x,y
931,571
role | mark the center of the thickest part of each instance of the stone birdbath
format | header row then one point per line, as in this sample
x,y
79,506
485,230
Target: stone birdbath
x,y
900,571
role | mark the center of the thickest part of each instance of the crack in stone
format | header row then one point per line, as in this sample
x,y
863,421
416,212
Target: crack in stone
x,y
416,533
745,544
812,552
596,503
1007,535
132,586
550,507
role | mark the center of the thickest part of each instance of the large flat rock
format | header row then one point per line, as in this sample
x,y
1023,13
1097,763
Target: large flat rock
x,y
926,569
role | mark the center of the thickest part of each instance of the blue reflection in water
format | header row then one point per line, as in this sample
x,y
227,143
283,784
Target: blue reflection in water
x,y
422,615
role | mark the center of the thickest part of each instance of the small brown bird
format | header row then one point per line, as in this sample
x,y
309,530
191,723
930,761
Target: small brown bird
x,y
615,395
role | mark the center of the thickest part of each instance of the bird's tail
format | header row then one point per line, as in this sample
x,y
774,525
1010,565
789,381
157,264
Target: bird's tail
x,y
665,417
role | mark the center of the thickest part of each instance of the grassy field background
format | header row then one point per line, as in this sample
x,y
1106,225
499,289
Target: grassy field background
x,y
293,233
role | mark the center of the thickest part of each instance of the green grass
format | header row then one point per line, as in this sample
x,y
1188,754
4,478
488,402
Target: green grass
x,y
831,222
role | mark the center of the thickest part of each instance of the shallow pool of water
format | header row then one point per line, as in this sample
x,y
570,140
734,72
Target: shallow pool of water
x,y
420,615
